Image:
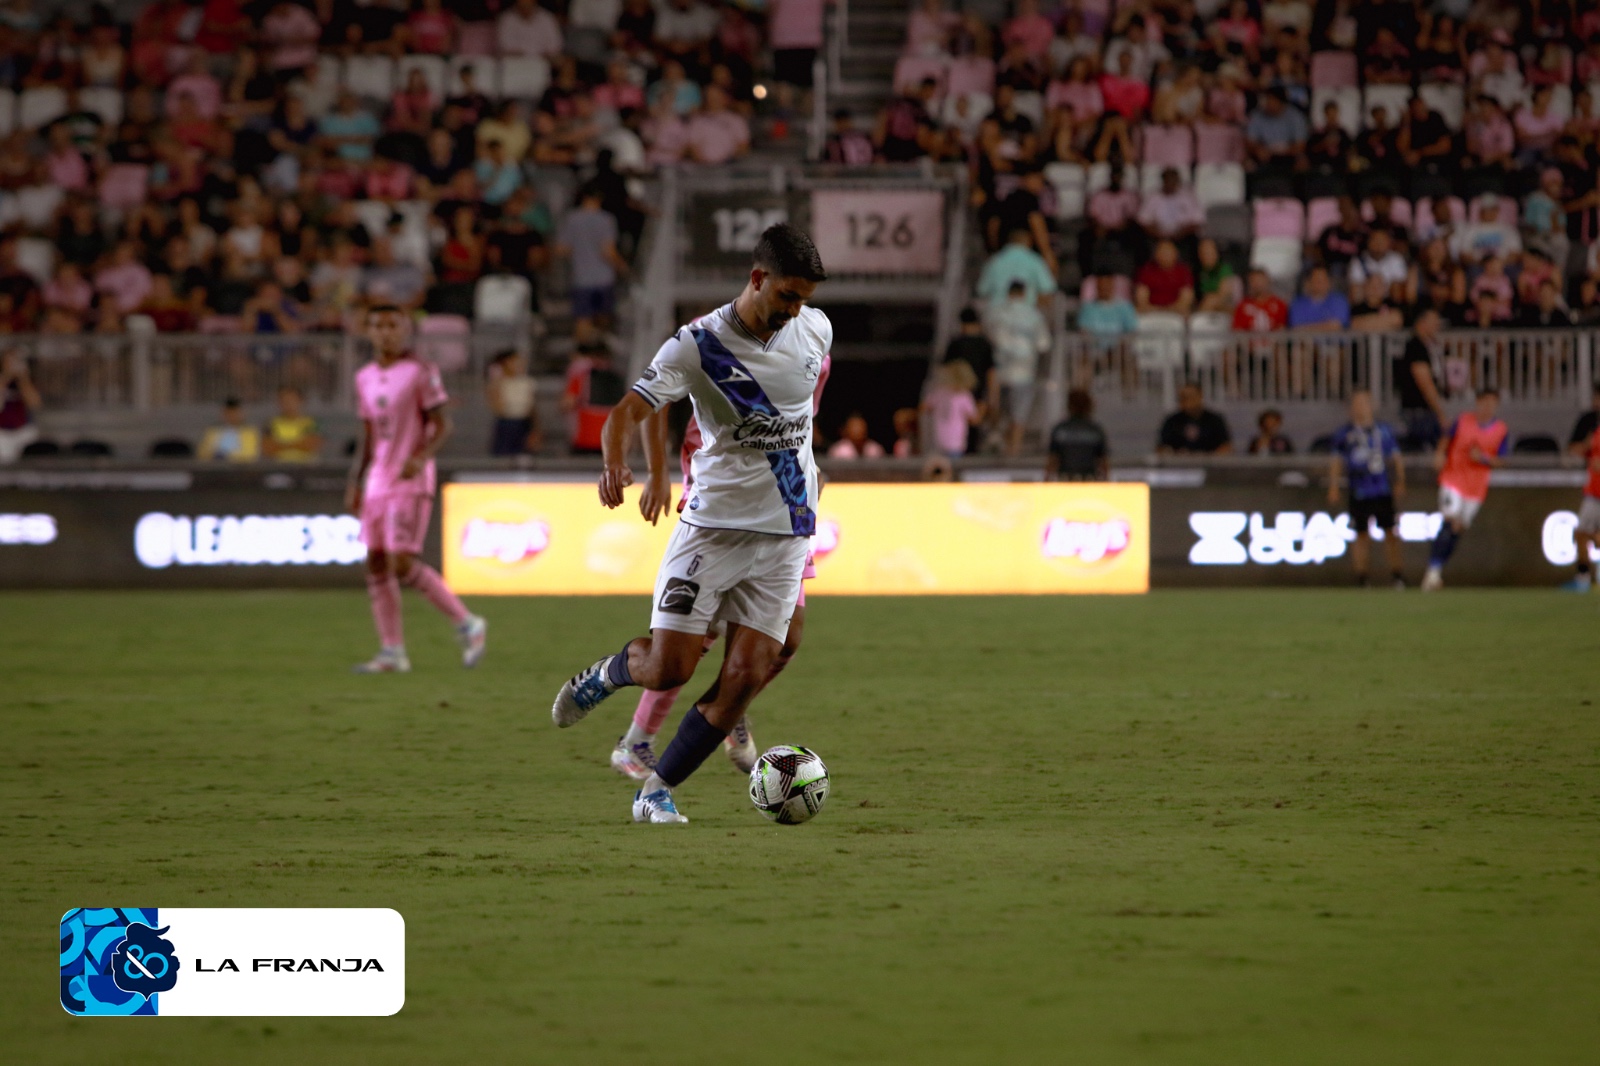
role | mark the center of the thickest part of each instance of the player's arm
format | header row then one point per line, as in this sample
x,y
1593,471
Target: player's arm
x,y
656,500
1399,461
1335,463
437,429
1422,374
358,470
615,436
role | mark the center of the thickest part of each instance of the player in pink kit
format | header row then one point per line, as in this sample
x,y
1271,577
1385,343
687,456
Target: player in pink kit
x,y
1475,445
401,401
635,756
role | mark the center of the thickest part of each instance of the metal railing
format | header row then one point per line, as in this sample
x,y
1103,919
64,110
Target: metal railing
x,y
148,372
1144,370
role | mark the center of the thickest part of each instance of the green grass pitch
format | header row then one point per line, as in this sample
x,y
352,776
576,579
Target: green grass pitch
x,y
1190,827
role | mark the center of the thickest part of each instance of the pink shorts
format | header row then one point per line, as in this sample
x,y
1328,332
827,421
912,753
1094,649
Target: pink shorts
x,y
396,524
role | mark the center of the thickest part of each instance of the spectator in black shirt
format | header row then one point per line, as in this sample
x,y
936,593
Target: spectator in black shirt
x,y
1020,210
972,347
1421,409
1269,438
1547,312
1583,429
1342,241
1077,449
1193,428
1425,139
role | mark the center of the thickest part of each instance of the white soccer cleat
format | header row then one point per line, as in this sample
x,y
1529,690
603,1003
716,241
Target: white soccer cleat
x,y
387,661
473,636
741,747
637,761
582,694
1433,580
657,808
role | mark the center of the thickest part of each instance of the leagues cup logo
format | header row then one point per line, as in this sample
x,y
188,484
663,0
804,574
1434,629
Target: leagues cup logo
x,y
144,963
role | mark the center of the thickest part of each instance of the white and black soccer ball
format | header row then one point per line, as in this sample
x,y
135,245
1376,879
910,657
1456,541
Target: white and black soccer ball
x,y
789,784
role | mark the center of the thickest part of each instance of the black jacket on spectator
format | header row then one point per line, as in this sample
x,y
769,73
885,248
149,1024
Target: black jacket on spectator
x,y
1202,433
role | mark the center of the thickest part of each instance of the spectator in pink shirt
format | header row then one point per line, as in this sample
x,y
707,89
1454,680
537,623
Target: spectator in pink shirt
x,y
928,31
196,83
1029,29
666,135
388,180
526,29
853,442
1111,212
1537,126
69,290
1122,92
292,31
1490,138
1078,91
431,29
125,280
618,92
65,165
1494,283
717,134
951,408
411,108
794,31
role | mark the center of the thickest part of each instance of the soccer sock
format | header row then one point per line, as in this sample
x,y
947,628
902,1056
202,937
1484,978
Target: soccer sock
x,y
694,743
384,592
1444,545
653,710
1583,562
617,671
426,580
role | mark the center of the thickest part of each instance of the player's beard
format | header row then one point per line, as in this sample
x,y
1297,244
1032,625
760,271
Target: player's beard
x,y
777,320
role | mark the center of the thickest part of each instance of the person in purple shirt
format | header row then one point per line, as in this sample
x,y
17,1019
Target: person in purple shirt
x,y
1320,307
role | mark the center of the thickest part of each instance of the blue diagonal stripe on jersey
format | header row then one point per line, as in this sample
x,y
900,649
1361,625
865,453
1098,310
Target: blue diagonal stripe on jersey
x,y
745,393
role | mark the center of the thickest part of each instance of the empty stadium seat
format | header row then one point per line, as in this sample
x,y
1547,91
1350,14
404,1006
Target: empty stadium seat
x,y
1070,203
1218,184
1400,212
107,103
1121,288
371,77
970,74
524,77
1279,216
1334,70
432,67
37,205
501,298
1030,105
485,74
1158,340
37,258
1278,256
912,71
1150,178
1561,101
1320,214
1536,444
1100,177
1166,146
1209,333
374,215
40,106
476,39
1229,223
1392,98
1447,99
1218,142
1349,100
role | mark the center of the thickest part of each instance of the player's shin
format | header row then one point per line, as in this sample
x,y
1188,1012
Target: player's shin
x,y
426,580
384,592
696,739
653,710
1444,545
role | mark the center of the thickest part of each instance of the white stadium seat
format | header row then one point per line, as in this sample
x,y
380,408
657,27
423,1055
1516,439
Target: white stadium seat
x,y
524,77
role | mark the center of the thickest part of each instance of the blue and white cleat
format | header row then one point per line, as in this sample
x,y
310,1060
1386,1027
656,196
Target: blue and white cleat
x,y
637,761
1577,584
582,694
656,807
473,636
741,747
387,661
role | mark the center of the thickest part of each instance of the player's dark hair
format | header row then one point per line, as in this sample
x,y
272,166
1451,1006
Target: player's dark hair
x,y
786,251
1079,403
970,316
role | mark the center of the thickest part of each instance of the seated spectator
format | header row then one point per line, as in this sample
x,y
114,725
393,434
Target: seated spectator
x,y
1386,60
1537,125
526,29
951,409
232,441
1017,261
1029,30
1330,149
508,126
1261,310
1544,217
1546,311
1077,90
1193,428
1375,310
847,146
1107,317
1077,449
1425,141
905,130
907,430
1380,260
1494,70
19,402
498,177
1123,92
68,290
1022,210
1269,438
1165,283
1217,285
1172,213
1111,213
593,388
387,280
588,238
1319,308
929,28
124,279
431,30
1020,336
1275,137
271,310
1494,282
412,106
1341,242
1491,141
853,442
1536,270
349,130
684,29
512,395
292,435
717,134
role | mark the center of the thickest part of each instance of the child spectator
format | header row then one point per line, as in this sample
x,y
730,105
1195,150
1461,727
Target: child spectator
x,y
951,409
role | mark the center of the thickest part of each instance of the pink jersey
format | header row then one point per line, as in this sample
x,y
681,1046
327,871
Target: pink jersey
x,y
393,400
691,432
1461,471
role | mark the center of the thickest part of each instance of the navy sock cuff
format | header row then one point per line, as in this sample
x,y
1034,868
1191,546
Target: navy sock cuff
x,y
617,671
696,739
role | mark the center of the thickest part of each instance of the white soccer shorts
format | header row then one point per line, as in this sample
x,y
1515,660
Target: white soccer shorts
x,y
728,575
1453,505
1589,516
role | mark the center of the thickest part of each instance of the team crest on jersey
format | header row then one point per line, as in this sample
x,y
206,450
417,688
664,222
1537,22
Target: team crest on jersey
x,y
813,367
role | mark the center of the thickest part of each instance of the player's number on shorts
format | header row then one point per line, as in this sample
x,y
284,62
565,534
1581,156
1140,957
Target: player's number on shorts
x,y
739,228
874,230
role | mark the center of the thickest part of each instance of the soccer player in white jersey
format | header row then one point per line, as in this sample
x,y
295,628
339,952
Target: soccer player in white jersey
x,y
737,554
392,482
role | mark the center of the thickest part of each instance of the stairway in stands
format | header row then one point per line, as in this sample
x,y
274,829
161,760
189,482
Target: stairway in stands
x,y
873,36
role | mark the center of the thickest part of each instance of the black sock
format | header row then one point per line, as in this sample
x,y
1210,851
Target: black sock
x,y
695,740
1583,566
617,671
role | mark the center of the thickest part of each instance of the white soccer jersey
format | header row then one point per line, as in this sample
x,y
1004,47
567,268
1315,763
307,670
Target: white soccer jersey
x,y
752,401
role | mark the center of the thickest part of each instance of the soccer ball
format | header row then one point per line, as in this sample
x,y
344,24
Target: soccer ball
x,y
789,784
